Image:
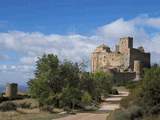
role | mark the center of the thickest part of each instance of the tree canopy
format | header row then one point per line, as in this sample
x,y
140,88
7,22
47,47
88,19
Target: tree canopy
x,y
65,83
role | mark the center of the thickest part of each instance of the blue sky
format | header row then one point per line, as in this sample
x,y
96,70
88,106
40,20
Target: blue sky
x,y
65,16
71,29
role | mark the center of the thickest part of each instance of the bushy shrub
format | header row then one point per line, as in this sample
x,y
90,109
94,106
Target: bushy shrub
x,y
126,102
154,117
132,113
149,94
132,99
119,115
63,83
86,98
2,99
135,112
24,105
155,109
68,109
144,98
47,108
132,84
114,92
8,106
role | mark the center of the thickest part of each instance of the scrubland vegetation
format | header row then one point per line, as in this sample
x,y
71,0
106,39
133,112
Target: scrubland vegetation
x,y
143,103
66,85
62,86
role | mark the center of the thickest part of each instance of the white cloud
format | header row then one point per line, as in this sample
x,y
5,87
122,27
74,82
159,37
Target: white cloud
x,y
29,46
147,21
16,73
117,28
28,60
32,45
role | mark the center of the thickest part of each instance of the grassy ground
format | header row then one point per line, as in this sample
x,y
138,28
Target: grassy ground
x,y
121,88
31,113
157,117
13,115
33,103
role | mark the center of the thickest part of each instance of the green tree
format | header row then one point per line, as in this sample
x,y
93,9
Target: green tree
x,y
149,96
103,82
87,84
70,96
51,77
46,83
86,98
69,72
147,93
65,84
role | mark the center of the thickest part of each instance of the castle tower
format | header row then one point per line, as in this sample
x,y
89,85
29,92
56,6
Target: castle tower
x,y
137,69
125,43
11,90
97,57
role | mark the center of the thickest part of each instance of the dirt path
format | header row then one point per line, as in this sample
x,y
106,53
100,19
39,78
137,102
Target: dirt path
x,y
111,103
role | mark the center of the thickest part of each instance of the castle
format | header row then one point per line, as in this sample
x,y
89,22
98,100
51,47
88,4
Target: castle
x,y
125,62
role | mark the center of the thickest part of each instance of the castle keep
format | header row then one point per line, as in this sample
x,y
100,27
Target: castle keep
x,y
126,62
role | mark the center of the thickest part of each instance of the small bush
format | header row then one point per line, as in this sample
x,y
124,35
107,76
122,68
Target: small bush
x,y
153,117
132,113
114,92
2,99
126,102
154,110
119,115
90,108
135,112
86,98
47,108
24,105
8,106
68,109
131,99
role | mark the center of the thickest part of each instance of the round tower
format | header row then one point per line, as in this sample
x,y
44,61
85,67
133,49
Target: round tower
x,y
11,90
137,69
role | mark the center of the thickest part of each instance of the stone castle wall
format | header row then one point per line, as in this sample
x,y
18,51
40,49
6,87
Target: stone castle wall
x,y
122,59
141,56
102,60
125,44
124,76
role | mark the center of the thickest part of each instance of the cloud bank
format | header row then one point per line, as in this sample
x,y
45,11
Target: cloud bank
x,y
21,49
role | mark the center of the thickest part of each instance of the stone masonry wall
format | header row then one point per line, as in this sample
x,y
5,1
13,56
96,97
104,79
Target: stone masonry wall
x,y
100,60
120,60
124,76
144,58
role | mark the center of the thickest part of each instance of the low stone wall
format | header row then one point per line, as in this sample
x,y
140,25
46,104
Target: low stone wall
x,y
123,77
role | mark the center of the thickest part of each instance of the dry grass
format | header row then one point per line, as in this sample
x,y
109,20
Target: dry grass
x,y
28,114
32,102
32,113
